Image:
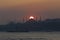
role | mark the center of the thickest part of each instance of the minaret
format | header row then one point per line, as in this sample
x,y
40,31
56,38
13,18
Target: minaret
x,y
36,18
23,20
40,18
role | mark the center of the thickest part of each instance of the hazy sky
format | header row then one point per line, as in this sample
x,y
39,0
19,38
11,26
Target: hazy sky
x,y
15,10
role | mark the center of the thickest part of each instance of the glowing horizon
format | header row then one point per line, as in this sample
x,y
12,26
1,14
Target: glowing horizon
x,y
14,10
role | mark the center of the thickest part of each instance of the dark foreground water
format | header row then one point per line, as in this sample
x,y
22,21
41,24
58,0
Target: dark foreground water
x,y
30,36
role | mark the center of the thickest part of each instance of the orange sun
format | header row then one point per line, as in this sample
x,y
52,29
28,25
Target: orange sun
x,y
31,17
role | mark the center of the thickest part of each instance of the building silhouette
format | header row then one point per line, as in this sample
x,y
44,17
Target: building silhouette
x,y
48,25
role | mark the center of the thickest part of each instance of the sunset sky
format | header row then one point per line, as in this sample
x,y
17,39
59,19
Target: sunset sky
x,y
15,10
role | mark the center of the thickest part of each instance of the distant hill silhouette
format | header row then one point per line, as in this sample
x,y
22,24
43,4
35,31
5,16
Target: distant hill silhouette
x,y
48,25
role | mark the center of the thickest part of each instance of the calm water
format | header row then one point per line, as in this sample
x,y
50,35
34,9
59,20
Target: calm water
x,y
30,36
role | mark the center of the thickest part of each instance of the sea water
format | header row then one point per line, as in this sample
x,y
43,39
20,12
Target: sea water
x,y
29,35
